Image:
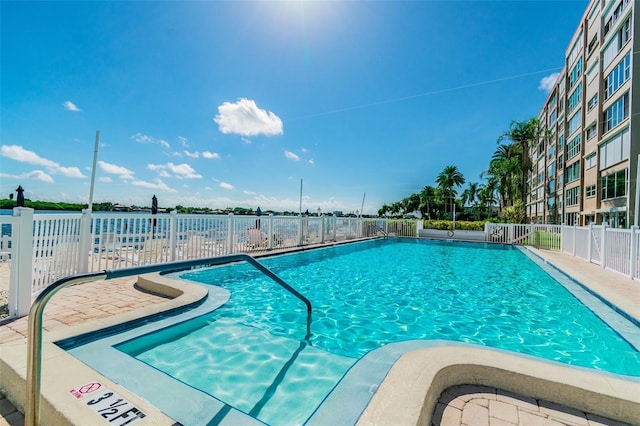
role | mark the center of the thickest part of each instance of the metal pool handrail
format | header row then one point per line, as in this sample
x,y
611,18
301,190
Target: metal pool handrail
x,y
34,339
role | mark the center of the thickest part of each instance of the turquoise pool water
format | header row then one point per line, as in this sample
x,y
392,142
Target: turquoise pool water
x,y
248,352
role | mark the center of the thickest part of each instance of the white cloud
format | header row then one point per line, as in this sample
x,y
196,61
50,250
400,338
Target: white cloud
x,y
156,184
184,141
34,175
547,83
140,138
312,162
18,153
291,156
245,140
207,188
70,106
225,185
191,154
246,119
181,171
209,155
105,179
113,169
73,172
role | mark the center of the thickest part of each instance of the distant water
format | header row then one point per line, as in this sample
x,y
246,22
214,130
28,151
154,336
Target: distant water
x,y
9,212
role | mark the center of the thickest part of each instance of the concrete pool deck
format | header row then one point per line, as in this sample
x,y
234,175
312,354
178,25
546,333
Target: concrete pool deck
x,y
96,305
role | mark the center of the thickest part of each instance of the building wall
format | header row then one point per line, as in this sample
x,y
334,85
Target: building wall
x,y
585,166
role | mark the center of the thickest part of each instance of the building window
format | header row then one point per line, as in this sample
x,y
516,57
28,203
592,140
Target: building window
x,y
615,149
551,188
614,185
616,78
561,142
616,113
574,99
590,191
572,196
560,181
573,147
576,121
592,102
590,161
575,50
592,131
572,172
551,203
553,117
551,152
575,74
614,15
592,44
618,40
551,170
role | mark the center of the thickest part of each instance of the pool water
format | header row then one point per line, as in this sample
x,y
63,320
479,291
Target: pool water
x,y
249,353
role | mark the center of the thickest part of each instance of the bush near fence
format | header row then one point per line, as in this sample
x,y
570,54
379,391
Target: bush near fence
x,y
463,225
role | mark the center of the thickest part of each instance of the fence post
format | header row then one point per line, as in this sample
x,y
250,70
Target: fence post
x,y
230,235
574,239
321,228
84,245
270,231
634,251
419,226
603,244
173,233
21,279
562,235
590,245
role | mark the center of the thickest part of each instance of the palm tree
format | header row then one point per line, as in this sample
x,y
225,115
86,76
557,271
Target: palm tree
x,y
396,209
447,180
486,197
505,171
411,203
470,195
428,203
525,134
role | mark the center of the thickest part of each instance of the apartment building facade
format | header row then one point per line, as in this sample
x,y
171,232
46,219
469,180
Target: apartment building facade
x,y
585,167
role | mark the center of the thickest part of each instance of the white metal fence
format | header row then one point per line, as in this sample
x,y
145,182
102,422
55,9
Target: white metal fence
x,y
42,248
615,249
45,247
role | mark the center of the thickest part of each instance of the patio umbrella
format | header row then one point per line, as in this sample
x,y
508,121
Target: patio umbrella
x,y
20,199
258,213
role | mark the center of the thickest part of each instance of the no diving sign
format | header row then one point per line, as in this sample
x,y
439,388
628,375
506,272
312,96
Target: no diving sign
x,y
108,404
83,390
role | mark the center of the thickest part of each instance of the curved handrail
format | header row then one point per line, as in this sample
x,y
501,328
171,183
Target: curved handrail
x,y
34,338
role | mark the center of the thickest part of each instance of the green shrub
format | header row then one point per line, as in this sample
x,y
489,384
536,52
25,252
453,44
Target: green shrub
x,y
445,225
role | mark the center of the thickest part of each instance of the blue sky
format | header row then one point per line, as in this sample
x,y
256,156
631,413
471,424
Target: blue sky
x,y
224,104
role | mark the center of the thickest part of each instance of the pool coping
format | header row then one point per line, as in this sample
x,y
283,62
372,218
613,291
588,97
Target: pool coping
x,y
419,370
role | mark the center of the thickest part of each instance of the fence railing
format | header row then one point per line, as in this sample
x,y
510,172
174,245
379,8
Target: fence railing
x,y
612,248
43,248
540,236
615,249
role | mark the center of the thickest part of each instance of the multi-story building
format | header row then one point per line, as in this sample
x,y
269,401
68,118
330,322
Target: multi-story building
x,y
585,167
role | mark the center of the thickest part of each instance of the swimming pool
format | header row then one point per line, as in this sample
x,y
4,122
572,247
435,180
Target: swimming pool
x,y
367,295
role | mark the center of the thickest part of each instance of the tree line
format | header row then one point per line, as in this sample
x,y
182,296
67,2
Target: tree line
x,y
501,195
